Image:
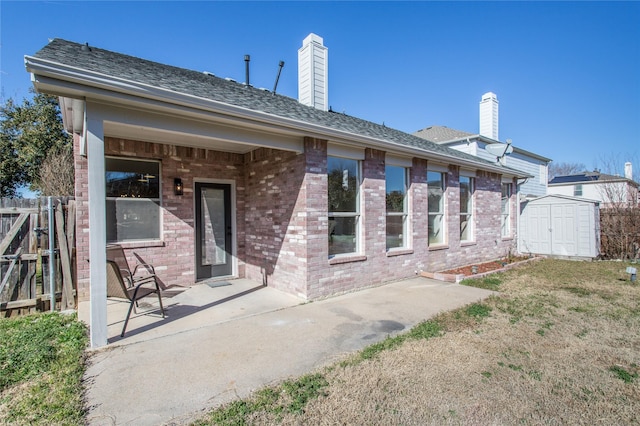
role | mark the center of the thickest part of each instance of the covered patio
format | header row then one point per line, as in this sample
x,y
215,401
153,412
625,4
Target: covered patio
x,y
187,308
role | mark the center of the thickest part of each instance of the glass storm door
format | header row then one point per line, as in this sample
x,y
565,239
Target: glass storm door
x,y
213,230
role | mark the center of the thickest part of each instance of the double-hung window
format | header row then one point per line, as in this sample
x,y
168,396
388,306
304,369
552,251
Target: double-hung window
x,y
396,197
436,207
133,199
466,208
577,190
505,216
343,181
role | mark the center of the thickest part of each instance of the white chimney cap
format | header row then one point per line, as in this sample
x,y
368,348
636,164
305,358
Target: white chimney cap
x,y
489,95
312,38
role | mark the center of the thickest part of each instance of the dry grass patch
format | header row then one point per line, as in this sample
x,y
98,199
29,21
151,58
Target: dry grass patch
x,y
561,345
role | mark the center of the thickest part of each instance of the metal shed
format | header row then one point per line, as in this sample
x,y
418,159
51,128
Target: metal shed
x,y
558,225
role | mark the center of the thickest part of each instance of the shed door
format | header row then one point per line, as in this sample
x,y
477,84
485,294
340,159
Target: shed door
x,y
564,234
539,238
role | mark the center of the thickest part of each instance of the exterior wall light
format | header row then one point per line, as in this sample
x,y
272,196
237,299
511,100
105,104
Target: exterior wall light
x,y
178,189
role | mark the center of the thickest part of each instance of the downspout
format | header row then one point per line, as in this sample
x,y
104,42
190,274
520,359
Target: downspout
x,y
518,212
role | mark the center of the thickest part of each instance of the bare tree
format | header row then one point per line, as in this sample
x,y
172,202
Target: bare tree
x,y
56,176
565,169
614,164
620,212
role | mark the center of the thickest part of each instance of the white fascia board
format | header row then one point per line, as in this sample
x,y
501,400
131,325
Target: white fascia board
x,y
66,110
488,140
52,76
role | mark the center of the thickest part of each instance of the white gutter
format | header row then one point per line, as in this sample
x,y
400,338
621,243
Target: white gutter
x,y
57,74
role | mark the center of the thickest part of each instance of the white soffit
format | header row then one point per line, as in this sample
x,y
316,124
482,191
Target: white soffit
x,y
434,167
467,173
396,160
345,151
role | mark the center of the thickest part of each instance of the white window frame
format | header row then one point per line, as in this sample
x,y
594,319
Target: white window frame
x,y
442,212
470,207
544,177
356,215
577,190
157,201
505,209
405,207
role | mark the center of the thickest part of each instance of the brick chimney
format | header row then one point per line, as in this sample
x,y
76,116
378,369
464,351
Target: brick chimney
x,y
313,73
489,115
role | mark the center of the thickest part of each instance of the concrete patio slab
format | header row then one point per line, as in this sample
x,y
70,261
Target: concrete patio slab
x,y
202,305
169,371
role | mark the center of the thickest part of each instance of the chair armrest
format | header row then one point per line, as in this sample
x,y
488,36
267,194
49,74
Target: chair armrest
x,y
150,269
126,274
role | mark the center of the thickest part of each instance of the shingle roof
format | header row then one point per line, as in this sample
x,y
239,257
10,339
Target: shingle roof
x,y
586,177
207,86
439,134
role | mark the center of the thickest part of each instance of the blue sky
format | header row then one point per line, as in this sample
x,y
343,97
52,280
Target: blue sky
x,y
566,73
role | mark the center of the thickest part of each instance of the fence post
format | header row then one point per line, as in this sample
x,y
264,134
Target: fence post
x,y
52,255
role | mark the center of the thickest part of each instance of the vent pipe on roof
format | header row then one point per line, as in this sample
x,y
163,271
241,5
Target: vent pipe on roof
x,y
247,58
628,170
275,86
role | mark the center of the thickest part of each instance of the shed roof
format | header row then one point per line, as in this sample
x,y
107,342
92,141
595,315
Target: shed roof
x,y
550,197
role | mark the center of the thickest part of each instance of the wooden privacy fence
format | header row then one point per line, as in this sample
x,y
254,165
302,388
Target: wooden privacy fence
x,y
620,230
28,273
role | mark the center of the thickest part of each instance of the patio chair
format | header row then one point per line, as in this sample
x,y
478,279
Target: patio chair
x,y
115,253
130,289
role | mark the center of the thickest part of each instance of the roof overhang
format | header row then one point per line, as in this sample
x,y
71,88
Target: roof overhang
x,y
488,140
77,85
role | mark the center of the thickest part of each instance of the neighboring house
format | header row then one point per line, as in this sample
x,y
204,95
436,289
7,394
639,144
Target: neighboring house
x,y
606,188
529,163
209,178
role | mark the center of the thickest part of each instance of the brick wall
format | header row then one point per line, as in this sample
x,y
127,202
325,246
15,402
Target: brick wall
x,y
282,222
375,265
275,224
173,257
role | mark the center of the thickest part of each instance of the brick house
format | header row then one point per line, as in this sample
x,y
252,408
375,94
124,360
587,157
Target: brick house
x,y
208,178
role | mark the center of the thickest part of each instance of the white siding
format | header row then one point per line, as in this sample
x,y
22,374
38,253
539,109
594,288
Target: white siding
x,y
469,148
593,190
526,164
489,115
313,73
535,186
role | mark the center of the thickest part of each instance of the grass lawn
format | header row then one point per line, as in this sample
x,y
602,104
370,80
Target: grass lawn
x,y
561,345
41,367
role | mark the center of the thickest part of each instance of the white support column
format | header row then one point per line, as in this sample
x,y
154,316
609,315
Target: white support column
x,y
97,228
